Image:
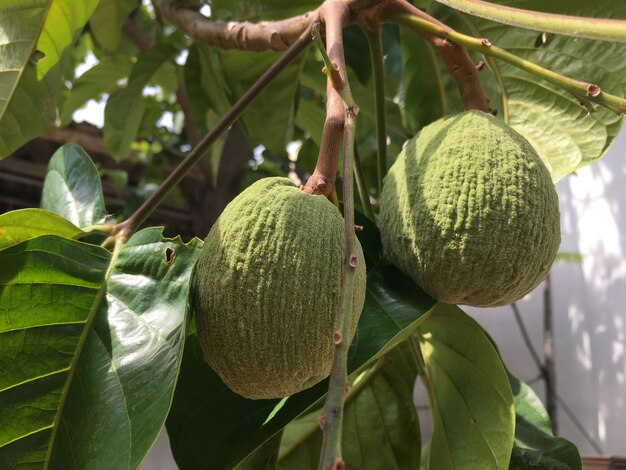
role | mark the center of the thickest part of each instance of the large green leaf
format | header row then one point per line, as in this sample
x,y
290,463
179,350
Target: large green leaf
x,y
24,224
101,78
35,39
49,291
202,403
426,95
535,445
380,428
471,400
129,366
125,107
269,118
106,23
72,187
555,123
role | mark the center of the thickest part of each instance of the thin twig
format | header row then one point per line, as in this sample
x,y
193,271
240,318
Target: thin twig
x,y
138,217
582,90
580,26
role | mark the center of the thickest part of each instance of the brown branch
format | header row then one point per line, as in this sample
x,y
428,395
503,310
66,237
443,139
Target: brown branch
x,y
322,181
274,35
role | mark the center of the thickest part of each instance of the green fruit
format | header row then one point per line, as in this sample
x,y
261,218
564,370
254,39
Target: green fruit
x,y
267,286
470,212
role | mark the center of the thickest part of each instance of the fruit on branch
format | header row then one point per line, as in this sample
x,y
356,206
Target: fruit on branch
x,y
470,212
267,290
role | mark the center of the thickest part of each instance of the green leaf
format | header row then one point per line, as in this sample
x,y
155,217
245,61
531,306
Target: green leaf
x,y
49,290
313,78
394,307
554,122
72,187
24,224
471,400
128,370
34,50
264,457
106,22
269,118
380,428
535,445
426,97
101,78
125,107
212,80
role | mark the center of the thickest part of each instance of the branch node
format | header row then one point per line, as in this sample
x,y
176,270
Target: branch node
x,y
593,90
480,65
321,421
337,339
358,228
485,42
353,261
339,464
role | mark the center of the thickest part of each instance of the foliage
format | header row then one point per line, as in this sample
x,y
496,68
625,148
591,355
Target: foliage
x,y
97,341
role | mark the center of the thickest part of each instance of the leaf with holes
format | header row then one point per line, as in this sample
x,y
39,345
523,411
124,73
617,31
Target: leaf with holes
x,y
35,40
133,352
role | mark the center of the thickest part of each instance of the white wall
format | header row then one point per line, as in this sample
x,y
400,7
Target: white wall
x,y
589,307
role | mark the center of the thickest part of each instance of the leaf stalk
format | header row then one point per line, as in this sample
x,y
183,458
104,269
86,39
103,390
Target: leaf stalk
x,y
593,28
583,91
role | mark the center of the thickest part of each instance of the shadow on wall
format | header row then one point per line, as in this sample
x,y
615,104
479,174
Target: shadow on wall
x,y
590,299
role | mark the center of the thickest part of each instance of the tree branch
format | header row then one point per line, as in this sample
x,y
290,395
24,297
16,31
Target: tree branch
x,y
274,35
580,26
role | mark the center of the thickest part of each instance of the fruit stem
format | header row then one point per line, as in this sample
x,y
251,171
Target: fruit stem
x,y
579,26
336,14
585,92
127,227
374,40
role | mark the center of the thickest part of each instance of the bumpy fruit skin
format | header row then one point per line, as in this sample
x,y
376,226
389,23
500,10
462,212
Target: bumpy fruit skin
x,y
267,286
470,212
